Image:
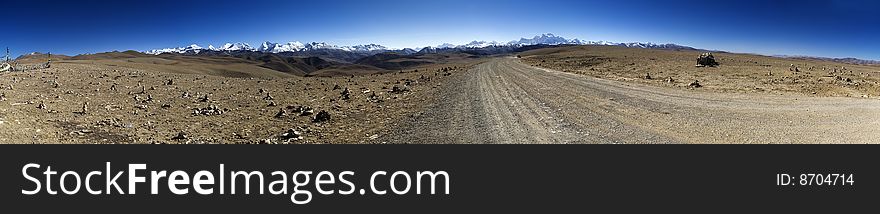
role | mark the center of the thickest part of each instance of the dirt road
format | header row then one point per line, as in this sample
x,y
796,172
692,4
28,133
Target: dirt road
x,y
505,101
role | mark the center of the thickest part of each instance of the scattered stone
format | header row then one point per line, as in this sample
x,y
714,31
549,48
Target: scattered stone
x,y
345,94
281,113
114,122
166,105
209,111
2,96
85,108
322,116
205,99
302,110
239,136
185,95
41,106
647,76
373,97
695,84
290,135
169,82
670,80
268,97
335,87
180,136
398,89
272,104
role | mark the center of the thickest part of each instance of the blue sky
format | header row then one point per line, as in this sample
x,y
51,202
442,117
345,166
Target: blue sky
x,y
815,28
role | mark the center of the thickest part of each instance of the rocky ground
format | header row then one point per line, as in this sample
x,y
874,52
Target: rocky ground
x,y
737,73
88,102
507,101
583,94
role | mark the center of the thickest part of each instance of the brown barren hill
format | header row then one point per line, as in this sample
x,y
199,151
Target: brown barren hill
x,y
36,57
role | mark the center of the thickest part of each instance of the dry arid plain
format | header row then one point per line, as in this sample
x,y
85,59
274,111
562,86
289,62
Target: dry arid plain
x,y
573,94
137,98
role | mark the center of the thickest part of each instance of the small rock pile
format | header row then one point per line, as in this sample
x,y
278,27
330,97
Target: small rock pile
x,y
281,113
399,90
85,108
346,94
180,136
290,135
301,110
706,59
268,97
321,117
114,122
209,111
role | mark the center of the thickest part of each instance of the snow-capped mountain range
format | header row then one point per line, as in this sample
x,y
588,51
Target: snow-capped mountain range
x,y
270,47
296,46
550,39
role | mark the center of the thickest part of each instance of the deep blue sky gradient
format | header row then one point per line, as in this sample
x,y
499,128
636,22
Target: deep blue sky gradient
x,y
816,28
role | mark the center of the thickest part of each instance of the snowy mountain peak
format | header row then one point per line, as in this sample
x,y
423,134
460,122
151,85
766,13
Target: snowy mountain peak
x,y
446,45
271,47
545,39
319,45
481,44
239,46
194,48
267,46
368,48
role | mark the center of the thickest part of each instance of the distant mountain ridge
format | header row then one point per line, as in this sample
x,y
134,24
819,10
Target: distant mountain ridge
x,y
270,47
477,47
849,60
296,46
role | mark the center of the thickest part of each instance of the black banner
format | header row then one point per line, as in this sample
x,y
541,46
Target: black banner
x,y
481,178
